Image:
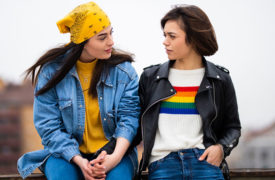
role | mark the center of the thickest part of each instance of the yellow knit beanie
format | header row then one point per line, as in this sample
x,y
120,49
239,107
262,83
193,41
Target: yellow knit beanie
x,y
84,22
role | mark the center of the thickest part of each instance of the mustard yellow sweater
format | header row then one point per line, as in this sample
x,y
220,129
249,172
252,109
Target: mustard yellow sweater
x,y
93,137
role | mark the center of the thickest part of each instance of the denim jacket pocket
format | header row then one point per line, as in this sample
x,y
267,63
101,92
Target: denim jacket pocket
x,y
64,104
66,109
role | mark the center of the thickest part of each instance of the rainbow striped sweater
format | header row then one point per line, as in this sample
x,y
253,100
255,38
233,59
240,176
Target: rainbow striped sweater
x,y
182,103
179,124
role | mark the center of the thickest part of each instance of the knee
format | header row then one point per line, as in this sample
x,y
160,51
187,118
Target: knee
x,y
124,170
58,169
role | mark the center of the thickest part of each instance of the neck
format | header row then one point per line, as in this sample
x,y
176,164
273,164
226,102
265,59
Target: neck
x,y
193,61
85,58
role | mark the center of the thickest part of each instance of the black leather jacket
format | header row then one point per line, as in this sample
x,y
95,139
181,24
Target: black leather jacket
x,y
215,101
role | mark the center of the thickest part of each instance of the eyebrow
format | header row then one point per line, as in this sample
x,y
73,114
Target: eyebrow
x,y
104,34
170,33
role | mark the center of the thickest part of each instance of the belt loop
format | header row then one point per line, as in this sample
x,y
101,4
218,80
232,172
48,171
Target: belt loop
x,y
196,152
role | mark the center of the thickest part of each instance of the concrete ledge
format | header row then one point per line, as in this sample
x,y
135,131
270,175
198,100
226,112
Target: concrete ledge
x,y
236,174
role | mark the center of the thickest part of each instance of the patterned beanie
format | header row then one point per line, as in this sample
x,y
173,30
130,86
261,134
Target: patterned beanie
x,y
84,22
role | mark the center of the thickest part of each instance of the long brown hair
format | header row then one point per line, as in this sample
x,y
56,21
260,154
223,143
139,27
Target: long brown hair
x,y
197,26
73,52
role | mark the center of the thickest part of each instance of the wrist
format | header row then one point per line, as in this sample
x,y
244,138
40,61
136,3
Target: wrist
x,y
77,159
117,156
221,147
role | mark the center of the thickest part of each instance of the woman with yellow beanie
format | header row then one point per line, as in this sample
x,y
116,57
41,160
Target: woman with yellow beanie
x,y
86,104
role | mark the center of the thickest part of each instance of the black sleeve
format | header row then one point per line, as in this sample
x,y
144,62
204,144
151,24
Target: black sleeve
x,y
141,92
232,126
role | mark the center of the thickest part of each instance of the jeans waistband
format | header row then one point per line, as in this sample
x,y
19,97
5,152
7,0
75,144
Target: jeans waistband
x,y
192,151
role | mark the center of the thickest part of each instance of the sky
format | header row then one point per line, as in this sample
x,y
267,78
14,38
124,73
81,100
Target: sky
x,y
244,29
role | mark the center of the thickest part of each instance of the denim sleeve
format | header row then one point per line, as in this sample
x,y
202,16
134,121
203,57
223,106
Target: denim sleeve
x,y
128,111
49,124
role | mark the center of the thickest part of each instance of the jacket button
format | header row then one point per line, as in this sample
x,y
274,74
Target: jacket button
x,y
171,90
157,77
218,76
104,119
100,98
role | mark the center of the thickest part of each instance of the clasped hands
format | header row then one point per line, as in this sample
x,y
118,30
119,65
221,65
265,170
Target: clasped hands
x,y
97,168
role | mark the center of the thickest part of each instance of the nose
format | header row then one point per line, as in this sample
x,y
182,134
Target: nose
x,y
110,41
165,42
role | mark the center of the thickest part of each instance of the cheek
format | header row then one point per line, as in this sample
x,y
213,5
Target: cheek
x,y
92,50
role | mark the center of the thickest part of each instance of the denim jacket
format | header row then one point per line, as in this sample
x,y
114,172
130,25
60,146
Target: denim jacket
x,y
59,113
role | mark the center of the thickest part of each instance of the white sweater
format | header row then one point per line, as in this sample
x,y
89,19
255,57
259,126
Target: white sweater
x,y
179,124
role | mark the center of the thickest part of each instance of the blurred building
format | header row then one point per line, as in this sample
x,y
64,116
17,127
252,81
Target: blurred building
x,y
17,132
255,150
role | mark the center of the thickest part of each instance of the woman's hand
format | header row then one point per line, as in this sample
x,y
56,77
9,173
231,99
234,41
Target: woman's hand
x,y
89,171
214,155
110,161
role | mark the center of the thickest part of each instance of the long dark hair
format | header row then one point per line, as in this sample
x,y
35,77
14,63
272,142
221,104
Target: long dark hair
x,y
73,52
197,26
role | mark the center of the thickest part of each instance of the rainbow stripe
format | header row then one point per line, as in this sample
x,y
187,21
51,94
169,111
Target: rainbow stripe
x,y
183,102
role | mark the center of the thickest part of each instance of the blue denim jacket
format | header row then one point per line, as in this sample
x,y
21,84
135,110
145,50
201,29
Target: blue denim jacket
x,y
59,114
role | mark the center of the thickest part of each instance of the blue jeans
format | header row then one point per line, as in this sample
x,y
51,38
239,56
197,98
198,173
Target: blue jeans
x,y
60,169
184,165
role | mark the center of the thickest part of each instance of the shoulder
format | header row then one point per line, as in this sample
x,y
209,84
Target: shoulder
x,y
127,68
154,66
51,67
151,70
221,68
224,74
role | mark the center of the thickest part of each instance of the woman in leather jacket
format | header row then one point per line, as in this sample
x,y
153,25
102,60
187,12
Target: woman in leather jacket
x,y
189,115
86,101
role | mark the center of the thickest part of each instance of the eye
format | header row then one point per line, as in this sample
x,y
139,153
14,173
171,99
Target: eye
x,y
172,37
102,38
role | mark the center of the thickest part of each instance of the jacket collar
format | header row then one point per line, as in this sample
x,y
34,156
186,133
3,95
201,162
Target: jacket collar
x,y
210,69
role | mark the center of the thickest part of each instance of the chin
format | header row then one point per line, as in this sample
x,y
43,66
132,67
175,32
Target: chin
x,y
171,58
105,57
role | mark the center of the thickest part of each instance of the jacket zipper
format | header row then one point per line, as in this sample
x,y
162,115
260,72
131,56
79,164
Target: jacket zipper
x,y
142,119
216,114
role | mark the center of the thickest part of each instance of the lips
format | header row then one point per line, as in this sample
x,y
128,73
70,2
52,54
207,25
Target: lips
x,y
168,51
109,50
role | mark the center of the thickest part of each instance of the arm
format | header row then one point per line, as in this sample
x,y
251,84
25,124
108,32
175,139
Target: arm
x,y
49,123
231,128
141,92
126,129
231,121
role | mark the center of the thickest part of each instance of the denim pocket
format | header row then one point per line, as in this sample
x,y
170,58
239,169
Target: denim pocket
x,y
64,104
210,165
66,109
205,161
